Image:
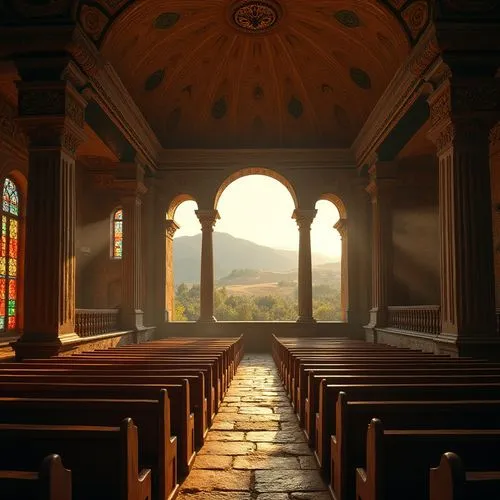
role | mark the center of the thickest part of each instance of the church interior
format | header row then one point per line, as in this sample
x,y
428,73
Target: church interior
x,y
113,113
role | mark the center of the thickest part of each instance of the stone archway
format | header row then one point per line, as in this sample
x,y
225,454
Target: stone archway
x,y
171,227
256,171
342,227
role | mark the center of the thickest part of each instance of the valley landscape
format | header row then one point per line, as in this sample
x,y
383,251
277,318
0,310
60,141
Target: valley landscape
x,y
253,282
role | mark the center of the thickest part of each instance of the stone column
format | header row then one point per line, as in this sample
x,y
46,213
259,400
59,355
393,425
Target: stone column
x,y
131,187
207,218
52,116
341,227
170,228
463,112
304,219
380,189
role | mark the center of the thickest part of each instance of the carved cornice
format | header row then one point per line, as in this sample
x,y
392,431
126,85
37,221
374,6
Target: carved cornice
x,y
101,82
210,159
400,94
109,92
52,115
207,218
11,135
464,111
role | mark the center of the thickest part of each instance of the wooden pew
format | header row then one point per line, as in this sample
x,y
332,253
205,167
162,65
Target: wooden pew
x,y
398,461
326,418
167,361
319,422
356,359
181,419
117,369
51,482
311,375
451,481
170,354
62,364
348,442
157,447
103,460
198,403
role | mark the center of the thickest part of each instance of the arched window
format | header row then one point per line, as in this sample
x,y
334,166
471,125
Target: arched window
x,y
9,256
117,234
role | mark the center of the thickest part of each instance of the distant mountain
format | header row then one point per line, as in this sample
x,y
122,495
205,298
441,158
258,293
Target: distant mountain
x,y
232,253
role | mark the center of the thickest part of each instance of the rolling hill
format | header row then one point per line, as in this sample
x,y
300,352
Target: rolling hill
x,y
234,253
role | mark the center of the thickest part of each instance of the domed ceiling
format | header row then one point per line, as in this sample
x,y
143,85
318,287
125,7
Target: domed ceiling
x,y
247,73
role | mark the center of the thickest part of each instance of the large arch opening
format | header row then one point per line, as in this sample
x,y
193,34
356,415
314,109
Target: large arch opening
x,y
183,250
255,248
329,259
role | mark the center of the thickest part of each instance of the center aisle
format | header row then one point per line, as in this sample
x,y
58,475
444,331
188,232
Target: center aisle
x,y
255,448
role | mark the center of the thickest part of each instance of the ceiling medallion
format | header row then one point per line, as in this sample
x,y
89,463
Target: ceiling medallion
x,y
255,16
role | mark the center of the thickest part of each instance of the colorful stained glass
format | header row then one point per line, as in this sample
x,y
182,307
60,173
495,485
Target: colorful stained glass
x,y
9,254
117,234
10,197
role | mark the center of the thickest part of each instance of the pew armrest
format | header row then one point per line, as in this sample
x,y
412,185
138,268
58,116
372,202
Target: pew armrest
x,y
144,485
361,483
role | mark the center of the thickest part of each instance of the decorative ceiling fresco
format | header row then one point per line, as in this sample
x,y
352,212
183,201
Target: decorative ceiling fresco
x,y
255,73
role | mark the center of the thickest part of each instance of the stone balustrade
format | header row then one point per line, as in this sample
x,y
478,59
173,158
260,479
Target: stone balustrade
x,y
90,322
424,319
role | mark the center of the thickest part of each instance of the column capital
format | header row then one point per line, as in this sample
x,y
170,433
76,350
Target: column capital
x,y
170,228
304,217
207,218
52,114
341,227
495,135
129,180
464,110
382,179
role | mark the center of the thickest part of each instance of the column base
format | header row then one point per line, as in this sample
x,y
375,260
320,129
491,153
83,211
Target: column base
x,y
41,346
378,318
476,347
306,319
132,319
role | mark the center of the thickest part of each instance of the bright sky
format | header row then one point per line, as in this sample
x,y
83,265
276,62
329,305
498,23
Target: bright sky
x,y
259,208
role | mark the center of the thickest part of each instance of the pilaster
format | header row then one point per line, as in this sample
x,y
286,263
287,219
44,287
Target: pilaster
x,y
207,218
381,188
51,113
304,219
464,110
130,185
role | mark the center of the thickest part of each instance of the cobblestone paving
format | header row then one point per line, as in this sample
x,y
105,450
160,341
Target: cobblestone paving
x,y
255,449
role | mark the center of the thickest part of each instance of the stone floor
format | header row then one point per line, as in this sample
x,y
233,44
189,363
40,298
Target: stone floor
x,y
255,449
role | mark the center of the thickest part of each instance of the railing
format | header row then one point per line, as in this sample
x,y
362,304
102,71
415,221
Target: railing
x,y
424,319
90,322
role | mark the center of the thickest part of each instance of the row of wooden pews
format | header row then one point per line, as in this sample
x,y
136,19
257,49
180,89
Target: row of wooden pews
x,y
388,423
126,421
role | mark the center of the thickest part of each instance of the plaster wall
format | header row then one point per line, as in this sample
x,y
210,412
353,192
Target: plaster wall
x,y
98,278
416,234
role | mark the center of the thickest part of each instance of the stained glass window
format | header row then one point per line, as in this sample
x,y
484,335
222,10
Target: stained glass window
x,y
116,234
9,256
